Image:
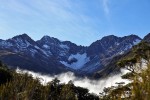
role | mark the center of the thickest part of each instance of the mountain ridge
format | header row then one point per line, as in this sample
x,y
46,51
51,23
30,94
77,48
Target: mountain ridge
x,y
54,56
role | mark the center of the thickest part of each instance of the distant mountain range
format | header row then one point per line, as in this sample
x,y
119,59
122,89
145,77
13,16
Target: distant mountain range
x,y
52,56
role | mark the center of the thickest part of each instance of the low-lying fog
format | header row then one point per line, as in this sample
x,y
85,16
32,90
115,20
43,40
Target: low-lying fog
x,y
94,86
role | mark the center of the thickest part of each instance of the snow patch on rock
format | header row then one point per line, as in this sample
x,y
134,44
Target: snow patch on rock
x,y
64,46
136,41
81,60
6,44
46,46
44,52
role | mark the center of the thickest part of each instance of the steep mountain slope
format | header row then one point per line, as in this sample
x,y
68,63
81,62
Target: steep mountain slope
x,y
50,55
103,51
138,50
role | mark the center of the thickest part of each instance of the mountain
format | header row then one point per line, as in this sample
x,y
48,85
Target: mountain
x,y
50,55
104,50
21,51
136,51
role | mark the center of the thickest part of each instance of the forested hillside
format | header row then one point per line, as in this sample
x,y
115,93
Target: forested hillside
x,y
15,86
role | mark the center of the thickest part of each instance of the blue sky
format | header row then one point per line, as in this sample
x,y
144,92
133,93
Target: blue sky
x,y
80,21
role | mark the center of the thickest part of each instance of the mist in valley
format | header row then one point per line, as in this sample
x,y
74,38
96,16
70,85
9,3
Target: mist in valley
x,y
94,86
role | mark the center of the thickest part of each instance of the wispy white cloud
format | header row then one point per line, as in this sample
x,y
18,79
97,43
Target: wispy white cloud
x,y
71,18
106,7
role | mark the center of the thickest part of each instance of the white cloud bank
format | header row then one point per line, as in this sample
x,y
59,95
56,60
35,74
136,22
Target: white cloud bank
x,y
94,86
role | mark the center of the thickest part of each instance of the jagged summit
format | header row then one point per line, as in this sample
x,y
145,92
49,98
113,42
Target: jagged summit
x,y
109,37
22,36
22,39
49,40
